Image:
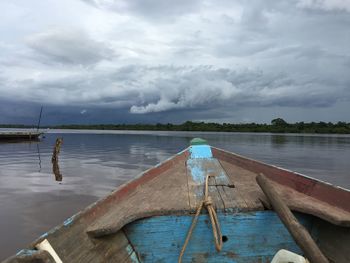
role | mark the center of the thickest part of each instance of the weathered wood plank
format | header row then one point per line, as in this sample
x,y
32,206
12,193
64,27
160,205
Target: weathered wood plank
x,y
197,170
321,191
164,194
30,256
295,200
333,240
125,191
301,236
236,188
200,164
247,239
73,245
246,192
230,200
215,195
306,204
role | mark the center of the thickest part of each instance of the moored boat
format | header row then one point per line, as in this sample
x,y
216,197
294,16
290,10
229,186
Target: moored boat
x,y
161,216
20,135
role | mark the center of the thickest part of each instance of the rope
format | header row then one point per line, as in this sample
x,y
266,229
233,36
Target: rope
x,y
208,204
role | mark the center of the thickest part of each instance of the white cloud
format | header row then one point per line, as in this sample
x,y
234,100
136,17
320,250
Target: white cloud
x,y
152,9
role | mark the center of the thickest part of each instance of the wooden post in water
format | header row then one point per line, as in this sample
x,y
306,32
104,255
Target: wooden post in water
x,y
298,231
54,159
56,150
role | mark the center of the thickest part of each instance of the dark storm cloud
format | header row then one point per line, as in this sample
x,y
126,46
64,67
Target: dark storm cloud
x,y
21,112
326,5
68,47
143,89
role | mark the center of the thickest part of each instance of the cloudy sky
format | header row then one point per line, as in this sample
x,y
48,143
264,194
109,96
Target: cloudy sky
x,y
113,61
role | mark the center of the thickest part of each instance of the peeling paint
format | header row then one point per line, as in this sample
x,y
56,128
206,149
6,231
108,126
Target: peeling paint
x,y
129,249
26,252
200,168
198,154
247,239
132,254
133,258
197,172
43,235
68,221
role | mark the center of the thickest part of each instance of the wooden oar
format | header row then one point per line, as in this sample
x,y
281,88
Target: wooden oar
x,y
298,231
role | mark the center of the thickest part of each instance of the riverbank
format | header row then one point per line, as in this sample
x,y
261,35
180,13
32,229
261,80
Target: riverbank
x,y
277,126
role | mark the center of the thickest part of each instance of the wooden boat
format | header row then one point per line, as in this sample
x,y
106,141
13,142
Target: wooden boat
x,y
148,219
20,135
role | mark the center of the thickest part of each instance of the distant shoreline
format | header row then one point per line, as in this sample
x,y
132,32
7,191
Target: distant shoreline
x,y
277,126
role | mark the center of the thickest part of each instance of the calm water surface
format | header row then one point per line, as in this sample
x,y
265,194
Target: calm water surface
x,y
93,163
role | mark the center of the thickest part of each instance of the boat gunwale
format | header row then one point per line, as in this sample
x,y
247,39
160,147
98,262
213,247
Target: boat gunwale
x,y
284,169
315,188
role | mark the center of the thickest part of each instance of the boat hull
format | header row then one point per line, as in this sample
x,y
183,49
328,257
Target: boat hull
x,y
20,136
147,219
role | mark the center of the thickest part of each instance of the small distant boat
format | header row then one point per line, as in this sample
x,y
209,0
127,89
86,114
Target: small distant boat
x,y
20,135
23,135
206,205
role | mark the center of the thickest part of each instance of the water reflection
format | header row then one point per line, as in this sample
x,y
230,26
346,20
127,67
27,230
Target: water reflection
x,y
56,171
38,150
278,141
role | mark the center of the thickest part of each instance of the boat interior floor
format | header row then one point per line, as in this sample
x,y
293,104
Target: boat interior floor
x,y
176,190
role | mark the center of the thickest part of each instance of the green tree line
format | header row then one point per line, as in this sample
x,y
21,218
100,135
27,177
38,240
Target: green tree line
x,y
277,125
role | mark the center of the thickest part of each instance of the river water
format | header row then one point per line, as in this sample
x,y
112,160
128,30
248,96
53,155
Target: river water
x,y
93,163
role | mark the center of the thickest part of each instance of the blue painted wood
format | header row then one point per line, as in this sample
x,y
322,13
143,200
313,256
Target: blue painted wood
x,y
199,168
200,151
251,237
26,252
201,163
